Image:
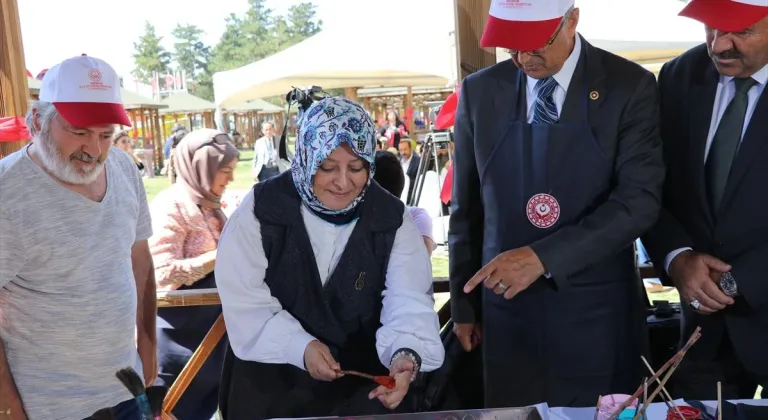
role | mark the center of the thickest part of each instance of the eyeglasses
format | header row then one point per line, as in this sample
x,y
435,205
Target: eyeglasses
x,y
540,51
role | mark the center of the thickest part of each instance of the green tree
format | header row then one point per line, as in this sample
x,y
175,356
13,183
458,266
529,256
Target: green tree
x,y
257,30
303,21
149,55
229,53
190,53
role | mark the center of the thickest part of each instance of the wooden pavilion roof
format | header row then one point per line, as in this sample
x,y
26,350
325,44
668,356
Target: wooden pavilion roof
x,y
186,103
257,105
132,100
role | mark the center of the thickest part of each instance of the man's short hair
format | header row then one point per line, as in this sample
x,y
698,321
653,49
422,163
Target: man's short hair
x,y
389,173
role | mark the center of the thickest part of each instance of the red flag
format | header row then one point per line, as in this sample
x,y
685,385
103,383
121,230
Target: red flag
x,y
447,114
13,129
445,192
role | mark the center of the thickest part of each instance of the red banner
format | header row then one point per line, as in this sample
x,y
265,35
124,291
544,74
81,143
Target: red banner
x,y
447,191
13,129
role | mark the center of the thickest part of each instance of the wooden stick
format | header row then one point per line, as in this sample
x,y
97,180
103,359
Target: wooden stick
x,y
695,336
666,378
356,373
597,407
719,401
665,394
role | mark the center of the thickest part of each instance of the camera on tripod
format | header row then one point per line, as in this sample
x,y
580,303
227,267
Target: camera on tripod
x,y
304,97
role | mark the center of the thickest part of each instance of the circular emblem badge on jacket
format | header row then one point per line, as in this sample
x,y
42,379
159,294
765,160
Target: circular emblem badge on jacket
x,y
543,210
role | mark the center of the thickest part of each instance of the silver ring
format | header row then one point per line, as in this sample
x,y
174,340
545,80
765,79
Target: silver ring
x,y
503,287
695,304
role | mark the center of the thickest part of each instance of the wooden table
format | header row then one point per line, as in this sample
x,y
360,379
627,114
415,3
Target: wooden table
x,y
201,297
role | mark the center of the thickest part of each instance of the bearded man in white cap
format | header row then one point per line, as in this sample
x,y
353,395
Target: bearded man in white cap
x,y
711,238
558,169
77,289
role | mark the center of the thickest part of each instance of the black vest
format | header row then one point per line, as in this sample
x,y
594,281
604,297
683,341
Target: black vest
x,y
344,313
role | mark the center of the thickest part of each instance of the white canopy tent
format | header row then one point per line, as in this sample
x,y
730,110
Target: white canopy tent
x,y
350,56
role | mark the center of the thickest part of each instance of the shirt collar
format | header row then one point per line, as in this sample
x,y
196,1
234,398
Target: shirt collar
x,y
761,76
564,76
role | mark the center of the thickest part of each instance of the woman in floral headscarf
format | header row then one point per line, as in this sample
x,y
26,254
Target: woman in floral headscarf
x,y
302,266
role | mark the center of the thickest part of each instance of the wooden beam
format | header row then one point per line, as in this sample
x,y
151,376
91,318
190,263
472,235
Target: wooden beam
x,y
14,91
350,93
471,16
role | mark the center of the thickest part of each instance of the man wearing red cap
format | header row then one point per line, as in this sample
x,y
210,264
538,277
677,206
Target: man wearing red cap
x,y
711,238
77,289
558,169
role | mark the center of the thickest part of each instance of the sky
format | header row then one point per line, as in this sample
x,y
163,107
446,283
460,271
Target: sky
x,y
54,30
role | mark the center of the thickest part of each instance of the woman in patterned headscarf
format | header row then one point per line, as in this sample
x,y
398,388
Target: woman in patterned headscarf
x,y
302,267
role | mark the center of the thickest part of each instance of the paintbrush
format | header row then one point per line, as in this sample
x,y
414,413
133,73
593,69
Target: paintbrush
x,y
597,407
131,380
156,395
719,401
385,381
665,396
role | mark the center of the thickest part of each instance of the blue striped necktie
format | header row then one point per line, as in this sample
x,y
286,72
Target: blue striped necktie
x,y
545,110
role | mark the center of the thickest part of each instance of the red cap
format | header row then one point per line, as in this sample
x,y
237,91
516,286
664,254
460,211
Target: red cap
x,y
523,26
88,114
85,91
726,15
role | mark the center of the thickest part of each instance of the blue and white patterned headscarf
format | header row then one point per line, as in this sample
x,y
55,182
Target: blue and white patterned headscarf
x,y
325,126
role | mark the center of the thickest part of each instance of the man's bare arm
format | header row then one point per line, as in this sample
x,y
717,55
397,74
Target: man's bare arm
x,y
9,395
146,309
146,291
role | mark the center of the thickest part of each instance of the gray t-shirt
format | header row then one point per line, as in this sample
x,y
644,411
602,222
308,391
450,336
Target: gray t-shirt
x,y
67,289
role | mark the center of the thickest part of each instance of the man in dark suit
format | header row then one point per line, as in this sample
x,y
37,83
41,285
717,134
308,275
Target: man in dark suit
x,y
558,169
711,239
410,162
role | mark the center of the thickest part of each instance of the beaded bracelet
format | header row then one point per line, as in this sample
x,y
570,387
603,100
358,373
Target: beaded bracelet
x,y
412,356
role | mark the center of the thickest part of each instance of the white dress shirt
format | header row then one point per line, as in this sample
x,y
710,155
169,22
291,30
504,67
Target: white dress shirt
x,y
261,330
563,79
405,164
726,90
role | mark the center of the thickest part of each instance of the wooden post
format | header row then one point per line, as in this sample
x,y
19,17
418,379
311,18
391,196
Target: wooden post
x,y
14,91
471,16
350,93
408,105
159,139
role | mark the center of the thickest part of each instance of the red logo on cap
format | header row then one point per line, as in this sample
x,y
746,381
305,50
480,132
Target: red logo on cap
x,y
94,75
543,210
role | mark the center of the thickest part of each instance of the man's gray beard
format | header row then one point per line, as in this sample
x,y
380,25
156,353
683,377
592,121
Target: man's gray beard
x,y
60,167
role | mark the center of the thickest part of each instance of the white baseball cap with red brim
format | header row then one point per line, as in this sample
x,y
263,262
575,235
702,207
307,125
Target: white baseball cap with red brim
x,y
523,25
85,91
727,15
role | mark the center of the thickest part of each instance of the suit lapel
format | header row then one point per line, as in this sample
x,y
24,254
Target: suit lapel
x,y
701,103
754,139
588,79
508,86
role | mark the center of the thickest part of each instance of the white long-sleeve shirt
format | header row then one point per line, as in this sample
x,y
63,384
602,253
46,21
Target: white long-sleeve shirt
x,y
260,330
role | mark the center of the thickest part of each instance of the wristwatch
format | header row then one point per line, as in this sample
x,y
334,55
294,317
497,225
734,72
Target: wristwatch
x,y
728,285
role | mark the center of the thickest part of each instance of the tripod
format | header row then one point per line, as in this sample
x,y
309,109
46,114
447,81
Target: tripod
x,y
435,155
